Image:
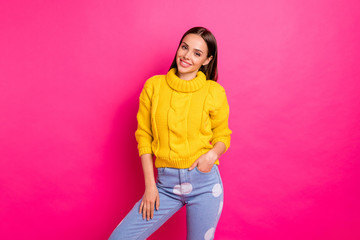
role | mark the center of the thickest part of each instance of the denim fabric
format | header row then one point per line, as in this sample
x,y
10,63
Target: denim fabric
x,y
201,193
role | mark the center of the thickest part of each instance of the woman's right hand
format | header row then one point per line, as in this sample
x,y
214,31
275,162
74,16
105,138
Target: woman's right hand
x,y
149,201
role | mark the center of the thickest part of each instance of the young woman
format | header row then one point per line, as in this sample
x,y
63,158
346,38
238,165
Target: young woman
x,y
183,121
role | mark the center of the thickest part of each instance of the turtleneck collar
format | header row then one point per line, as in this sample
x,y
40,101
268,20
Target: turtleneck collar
x,y
181,85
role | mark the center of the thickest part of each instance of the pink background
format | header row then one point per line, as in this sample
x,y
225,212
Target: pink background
x,y
71,74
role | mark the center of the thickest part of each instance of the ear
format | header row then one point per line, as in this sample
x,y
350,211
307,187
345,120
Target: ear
x,y
207,60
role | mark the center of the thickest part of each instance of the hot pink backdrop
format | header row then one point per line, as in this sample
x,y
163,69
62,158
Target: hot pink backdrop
x,y
71,74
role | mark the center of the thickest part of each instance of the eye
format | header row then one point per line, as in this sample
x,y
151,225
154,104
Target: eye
x,y
184,47
197,54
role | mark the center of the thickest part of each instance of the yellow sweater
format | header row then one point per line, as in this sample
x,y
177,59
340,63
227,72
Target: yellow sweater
x,y
177,119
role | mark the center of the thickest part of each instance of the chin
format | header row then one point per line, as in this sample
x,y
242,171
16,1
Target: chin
x,y
184,71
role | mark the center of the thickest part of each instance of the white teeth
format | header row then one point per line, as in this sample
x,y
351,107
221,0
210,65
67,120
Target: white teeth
x,y
184,63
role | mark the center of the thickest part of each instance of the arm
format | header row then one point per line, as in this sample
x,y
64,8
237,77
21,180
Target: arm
x,y
143,133
144,138
219,116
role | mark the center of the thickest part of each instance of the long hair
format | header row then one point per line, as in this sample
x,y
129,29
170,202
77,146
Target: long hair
x,y
210,69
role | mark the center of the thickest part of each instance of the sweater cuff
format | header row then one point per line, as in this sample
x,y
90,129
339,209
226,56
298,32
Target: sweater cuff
x,y
225,140
144,150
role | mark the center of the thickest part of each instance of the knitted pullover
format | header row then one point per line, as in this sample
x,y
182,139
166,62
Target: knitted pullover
x,y
179,120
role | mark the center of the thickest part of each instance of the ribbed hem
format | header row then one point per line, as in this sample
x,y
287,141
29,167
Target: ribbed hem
x,y
181,162
144,150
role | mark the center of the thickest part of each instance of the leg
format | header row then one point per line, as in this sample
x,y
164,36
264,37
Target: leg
x,y
134,227
204,208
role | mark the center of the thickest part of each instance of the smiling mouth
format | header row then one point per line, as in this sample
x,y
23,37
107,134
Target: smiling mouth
x,y
184,64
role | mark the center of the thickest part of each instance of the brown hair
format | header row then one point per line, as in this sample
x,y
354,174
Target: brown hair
x,y
210,69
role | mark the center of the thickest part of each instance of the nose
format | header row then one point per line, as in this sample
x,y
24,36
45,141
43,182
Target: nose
x,y
186,55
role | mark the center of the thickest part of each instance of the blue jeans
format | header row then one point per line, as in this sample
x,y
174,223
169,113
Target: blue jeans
x,y
202,193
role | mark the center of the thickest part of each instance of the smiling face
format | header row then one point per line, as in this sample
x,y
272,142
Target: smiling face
x,y
191,55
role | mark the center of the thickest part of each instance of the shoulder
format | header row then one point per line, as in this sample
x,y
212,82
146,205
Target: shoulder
x,y
153,81
152,84
217,95
215,88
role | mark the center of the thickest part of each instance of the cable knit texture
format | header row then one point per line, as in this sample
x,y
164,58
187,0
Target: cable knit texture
x,y
179,120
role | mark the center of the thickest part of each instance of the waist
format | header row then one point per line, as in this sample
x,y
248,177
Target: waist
x,y
179,162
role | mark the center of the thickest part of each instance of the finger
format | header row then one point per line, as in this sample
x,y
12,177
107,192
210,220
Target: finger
x,y
193,165
152,210
141,206
157,202
148,207
144,211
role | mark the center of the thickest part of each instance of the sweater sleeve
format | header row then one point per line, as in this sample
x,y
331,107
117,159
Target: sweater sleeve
x,y
219,117
143,134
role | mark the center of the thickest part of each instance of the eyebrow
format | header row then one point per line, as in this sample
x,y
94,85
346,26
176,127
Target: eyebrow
x,y
195,48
